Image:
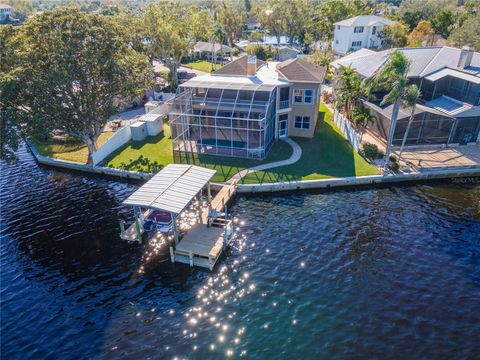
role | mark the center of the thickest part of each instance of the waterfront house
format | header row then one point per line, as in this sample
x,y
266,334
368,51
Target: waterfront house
x,y
449,80
5,13
358,32
242,108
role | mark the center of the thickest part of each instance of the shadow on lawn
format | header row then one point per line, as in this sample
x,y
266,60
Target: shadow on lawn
x,y
327,154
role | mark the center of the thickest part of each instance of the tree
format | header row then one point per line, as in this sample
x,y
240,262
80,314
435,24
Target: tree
x,y
362,118
422,35
72,72
258,50
442,22
271,18
231,19
349,90
394,35
393,77
172,29
467,34
411,97
414,11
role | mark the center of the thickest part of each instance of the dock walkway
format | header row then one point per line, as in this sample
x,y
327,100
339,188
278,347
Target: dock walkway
x,y
202,245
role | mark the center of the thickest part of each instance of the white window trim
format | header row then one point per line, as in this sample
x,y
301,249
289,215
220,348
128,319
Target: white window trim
x,y
302,122
303,97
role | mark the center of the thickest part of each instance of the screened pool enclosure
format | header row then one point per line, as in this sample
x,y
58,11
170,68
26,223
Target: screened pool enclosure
x,y
234,119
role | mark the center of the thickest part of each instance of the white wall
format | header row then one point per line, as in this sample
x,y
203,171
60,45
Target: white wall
x,y
120,138
346,35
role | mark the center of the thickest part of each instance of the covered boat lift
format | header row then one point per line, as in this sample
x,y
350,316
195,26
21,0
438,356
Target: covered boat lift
x,y
172,190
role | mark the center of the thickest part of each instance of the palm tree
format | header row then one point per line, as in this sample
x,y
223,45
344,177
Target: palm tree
x,y
393,76
362,118
411,97
349,90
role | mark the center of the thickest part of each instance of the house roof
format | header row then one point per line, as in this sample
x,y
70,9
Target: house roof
x,y
289,49
364,20
5,6
454,73
252,21
403,113
202,46
453,107
423,61
266,79
237,67
172,189
301,71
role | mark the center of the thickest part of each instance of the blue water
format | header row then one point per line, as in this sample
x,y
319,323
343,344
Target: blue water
x,y
386,273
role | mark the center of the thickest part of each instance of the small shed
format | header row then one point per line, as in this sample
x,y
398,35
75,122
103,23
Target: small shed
x,y
139,131
154,123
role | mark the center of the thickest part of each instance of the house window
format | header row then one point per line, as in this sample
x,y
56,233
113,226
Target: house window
x,y
297,96
374,30
336,42
308,98
358,29
338,27
302,122
356,43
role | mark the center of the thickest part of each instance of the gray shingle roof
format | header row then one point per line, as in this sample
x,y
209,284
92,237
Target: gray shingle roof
x,y
423,61
207,47
364,20
237,67
301,71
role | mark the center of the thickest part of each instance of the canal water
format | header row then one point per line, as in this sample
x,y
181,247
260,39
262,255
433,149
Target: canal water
x,y
388,273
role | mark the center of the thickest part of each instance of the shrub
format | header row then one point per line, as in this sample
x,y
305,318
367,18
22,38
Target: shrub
x,y
236,51
370,151
327,97
394,164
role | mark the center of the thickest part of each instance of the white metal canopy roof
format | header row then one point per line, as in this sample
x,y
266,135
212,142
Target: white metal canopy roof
x,y
172,189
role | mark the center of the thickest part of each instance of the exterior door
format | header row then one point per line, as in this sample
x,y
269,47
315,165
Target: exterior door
x,y
283,125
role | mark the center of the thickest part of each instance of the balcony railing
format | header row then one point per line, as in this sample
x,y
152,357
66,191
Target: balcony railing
x,y
284,104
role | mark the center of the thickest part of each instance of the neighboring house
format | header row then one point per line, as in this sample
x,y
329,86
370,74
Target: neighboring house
x,y
203,50
267,40
242,108
286,53
449,80
358,32
252,24
5,13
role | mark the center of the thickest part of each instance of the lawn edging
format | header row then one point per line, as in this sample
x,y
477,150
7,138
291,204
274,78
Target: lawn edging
x,y
71,165
355,181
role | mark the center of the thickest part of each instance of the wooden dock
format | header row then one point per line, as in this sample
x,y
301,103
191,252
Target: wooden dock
x,y
203,245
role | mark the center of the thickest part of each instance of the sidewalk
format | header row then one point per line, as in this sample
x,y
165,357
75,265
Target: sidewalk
x,y
297,153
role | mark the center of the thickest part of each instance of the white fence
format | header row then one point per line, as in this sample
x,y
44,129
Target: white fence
x,y
347,129
121,137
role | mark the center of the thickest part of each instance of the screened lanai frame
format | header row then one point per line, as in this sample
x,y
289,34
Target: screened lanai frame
x,y
225,119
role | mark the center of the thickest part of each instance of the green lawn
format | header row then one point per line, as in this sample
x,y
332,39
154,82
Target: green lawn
x,y
326,155
228,166
202,65
148,155
71,150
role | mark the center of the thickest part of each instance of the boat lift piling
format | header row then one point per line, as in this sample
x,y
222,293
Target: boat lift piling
x,y
172,190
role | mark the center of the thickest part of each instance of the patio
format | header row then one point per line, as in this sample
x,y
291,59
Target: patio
x,y
454,157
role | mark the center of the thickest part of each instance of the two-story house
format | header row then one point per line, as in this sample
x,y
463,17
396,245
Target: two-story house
x,y
5,13
243,108
448,111
358,32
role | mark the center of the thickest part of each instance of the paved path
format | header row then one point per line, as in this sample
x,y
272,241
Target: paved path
x,y
297,153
